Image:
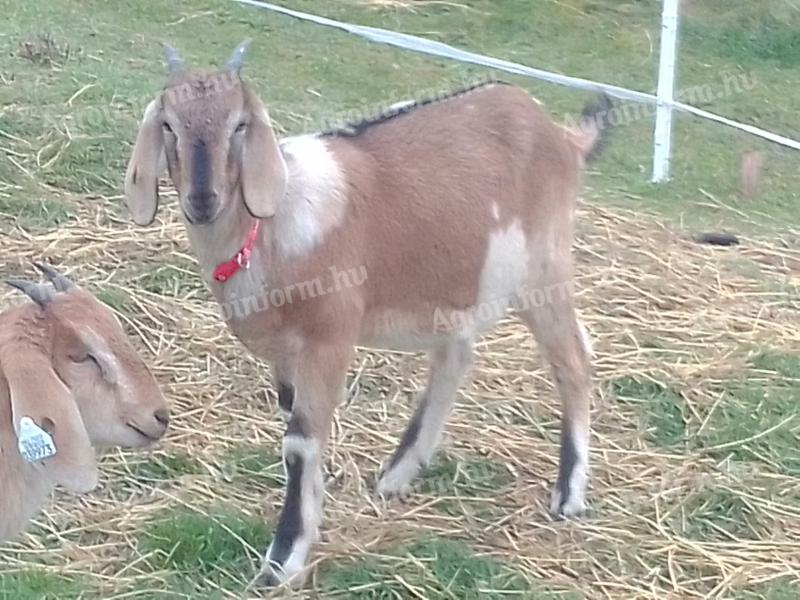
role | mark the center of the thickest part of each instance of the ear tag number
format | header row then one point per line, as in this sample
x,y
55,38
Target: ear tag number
x,y
35,444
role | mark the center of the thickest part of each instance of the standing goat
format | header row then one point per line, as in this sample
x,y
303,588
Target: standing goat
x,y
446,207
69,381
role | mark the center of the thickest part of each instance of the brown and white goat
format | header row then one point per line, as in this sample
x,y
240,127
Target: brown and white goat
x,y
67,368
445,208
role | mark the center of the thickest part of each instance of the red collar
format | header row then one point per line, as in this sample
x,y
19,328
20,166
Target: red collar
x,y
226,270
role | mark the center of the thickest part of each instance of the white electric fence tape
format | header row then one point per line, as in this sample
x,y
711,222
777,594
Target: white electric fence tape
x,y
418,44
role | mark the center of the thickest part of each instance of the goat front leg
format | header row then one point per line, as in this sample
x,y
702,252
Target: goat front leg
x,y
283,375
318,386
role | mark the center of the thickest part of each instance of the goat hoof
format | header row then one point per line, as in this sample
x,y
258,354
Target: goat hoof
x,y
566,508
390,487
397,479
291,572
275,575
269,578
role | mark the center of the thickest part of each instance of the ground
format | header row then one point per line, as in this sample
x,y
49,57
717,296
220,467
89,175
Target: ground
x,y
695,488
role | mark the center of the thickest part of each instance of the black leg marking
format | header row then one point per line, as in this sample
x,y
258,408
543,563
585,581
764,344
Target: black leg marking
x,y
297,426
290,525
567,460
409,437
285,396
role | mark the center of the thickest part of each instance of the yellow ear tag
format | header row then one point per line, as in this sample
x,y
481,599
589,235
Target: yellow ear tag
x,y
35,444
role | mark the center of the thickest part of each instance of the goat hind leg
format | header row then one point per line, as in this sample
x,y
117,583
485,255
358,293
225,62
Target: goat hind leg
x,y
565,345
449,364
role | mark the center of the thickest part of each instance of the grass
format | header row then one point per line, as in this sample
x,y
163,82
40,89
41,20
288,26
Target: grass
x,y
444,568
717,514
696,471
31,213
164,468
787,366
202,550
457,482
781,590
661,407
255,466
115,298
116,72
754,409
39,585
753,37
751,422
171,279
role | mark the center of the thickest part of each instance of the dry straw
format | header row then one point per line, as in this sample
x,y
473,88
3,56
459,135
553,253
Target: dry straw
x,y
658,307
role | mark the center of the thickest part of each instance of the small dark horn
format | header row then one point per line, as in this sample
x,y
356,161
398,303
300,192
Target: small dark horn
x,y
62,283
236,60
41,294
174,60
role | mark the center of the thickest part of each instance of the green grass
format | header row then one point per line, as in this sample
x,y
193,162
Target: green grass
x,y
119,67
661,407
165,467
255,466
753,37
169,279
444,568
39,585
29,212
115,298
748,409
202,550
759,404
717,514
753,409
777,590
463,484
784,365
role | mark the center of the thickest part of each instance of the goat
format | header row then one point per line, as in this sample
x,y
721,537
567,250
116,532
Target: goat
x,y
69,382
446,208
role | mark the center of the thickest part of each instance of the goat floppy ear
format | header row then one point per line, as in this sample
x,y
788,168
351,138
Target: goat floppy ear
x,y
146,164
37,393
263,167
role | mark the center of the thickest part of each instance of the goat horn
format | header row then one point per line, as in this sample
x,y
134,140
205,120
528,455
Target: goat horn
x,y
62,283
174,60
41,294
236,60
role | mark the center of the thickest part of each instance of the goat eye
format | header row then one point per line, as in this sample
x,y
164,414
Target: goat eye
x,y
240,128
166,127
85,359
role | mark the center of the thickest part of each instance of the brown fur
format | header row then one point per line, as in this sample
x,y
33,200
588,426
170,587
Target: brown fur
x,y
422,203
45,375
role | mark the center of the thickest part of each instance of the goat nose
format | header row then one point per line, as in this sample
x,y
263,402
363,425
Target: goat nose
x,y
204,198
162,416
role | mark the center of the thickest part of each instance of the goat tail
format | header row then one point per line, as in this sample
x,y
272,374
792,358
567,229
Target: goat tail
x,y
591,136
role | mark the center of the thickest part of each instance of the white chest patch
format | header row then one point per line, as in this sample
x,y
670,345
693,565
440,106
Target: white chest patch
x,y
315,200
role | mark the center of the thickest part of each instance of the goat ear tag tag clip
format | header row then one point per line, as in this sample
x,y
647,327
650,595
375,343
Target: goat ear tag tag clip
x,y
35,444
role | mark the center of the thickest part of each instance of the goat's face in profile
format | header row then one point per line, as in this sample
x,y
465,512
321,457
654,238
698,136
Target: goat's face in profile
x,y
215,137
118,398
99,371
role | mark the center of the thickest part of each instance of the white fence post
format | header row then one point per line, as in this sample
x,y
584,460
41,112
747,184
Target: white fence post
x,y
666,87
